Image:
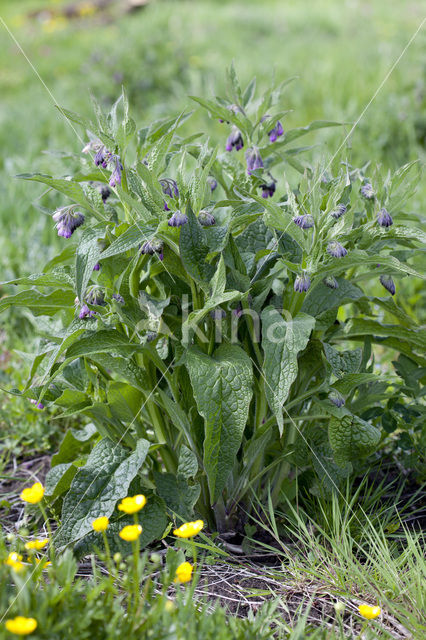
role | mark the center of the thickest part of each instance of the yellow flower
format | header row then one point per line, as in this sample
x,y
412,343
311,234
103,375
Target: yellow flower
x,y
184,572
132,504
189,529
21,626
33,494
14,560
36,544
100,524
369,612
131,532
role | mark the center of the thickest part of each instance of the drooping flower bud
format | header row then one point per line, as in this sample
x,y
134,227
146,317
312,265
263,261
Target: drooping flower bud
x,y
388,283
169,187
336,250
302,283
305,221
331,282
118,298
178,219
206,219
268,190
102,157
115,177
85,312
339,211
276,132
67,220
235,140
336,398
152,246
212,182
254,160
95,296
367,191
384,218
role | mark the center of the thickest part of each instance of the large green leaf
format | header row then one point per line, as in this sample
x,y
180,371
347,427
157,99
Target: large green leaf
x,y
343,362
193,250
39,303
72,189
96,487
222,387
87,255
132,237
179,496
321,298
282,340
350,437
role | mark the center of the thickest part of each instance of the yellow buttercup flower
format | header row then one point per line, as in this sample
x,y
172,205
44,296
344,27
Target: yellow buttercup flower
x,y
131,532
100,524
13,560
132,504
184,572
189,529
37,544
21,626
33,494
369,612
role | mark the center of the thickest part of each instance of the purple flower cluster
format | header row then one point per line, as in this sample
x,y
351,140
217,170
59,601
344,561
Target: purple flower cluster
x,y
336,250
367,191
206,219
67,220
153,246
276,132
212,182
305,221
170,189
384,218
235,140
331,282
339,211
38,405
177,219
302,283
254,160
336,398
268,190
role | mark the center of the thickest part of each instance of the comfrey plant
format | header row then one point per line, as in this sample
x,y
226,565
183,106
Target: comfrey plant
x,y
213,323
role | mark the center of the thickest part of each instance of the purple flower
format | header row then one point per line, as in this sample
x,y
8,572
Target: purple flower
x,y
206,219
302,283
178,219
115,178
169,187
384,218
67,220
97,267
304,222
388,283
95,296
276,132
105,192
152,246
339,211
102,157
38,405
118,298
85,312
254,160
268,190
235,140
367,191
336,250
212,182
331,282
336,398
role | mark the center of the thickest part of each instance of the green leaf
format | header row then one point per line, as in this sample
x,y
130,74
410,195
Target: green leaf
x,y
39,303
57,278
350,437
188,465
352,380
342,363
124,401
71,189
293,134
321,298
59,478
222,387
87,255
132,237
193,250
73,444
97,486
179,496
282,340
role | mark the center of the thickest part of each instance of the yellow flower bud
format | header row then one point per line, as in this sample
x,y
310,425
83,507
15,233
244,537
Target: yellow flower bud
x,y
33,494
100,524
184,573
132,504
36,544
21,626
189,529
131,532
369,612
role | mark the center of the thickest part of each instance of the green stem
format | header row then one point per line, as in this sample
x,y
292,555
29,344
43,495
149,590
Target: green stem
x,y
136,593
49,530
